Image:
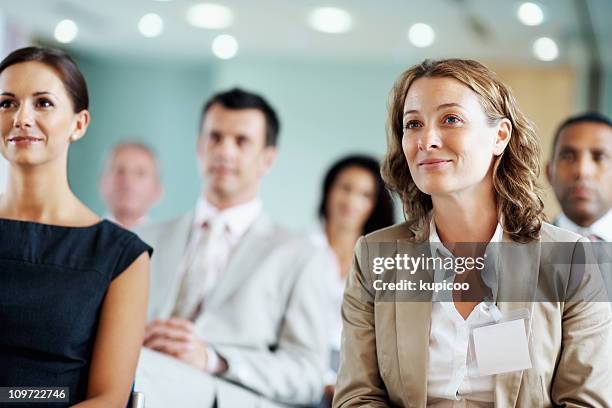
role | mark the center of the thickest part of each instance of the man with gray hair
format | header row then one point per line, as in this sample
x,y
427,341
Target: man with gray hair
x,y
130,184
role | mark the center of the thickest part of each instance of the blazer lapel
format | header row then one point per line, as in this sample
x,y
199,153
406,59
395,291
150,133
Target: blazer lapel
x,y
518,281
172,262
413,321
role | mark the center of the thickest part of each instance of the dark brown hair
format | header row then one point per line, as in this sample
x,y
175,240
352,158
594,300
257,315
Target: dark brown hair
x,y
237,98
587,117
382,214
62,63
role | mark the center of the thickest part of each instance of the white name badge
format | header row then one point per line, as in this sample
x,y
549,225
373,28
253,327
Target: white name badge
x,y
501,347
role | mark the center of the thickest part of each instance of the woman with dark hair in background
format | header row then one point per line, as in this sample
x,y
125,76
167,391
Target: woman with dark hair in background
x,y
354,202
73,287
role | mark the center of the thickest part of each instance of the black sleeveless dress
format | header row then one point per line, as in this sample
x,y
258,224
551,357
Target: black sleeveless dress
x,y
53,281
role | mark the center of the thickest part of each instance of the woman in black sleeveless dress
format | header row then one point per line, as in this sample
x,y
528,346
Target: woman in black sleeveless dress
x,y
73,288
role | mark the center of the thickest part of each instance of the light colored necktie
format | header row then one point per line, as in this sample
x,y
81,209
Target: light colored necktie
x,y
202,269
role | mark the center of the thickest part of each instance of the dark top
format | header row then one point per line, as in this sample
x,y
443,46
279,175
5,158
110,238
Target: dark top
x,y
53,281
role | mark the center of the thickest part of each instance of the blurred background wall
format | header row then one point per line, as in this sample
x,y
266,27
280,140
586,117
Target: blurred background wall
x,y
330,89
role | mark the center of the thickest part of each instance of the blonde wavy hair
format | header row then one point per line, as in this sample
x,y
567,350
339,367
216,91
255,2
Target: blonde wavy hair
x,y
515,171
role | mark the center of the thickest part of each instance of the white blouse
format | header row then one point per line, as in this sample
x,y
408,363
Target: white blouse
x,y
335,293
448,382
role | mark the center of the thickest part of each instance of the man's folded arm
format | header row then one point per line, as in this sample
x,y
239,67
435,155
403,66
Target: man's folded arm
x,y
293,371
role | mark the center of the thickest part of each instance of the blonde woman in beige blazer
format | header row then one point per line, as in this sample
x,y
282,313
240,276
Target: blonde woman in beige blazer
x,y
465,162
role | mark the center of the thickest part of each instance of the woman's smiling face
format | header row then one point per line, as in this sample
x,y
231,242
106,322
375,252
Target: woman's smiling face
x,y
37,118
448,141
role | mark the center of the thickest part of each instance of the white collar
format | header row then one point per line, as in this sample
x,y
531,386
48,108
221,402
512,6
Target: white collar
x,y
237,218
602,227
492,257
436,243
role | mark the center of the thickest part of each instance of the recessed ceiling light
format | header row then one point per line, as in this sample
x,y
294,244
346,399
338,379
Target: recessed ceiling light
x,y
208,15
150,25
225,46
66,31
545,49
421,35
530,14
330,20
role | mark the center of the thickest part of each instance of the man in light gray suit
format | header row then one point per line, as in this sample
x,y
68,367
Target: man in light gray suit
x,y
237,303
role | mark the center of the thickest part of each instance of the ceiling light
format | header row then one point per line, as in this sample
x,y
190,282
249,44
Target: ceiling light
x,y
224,46
151,25
207,15
421,35
545,49
66,31
330,20
530,14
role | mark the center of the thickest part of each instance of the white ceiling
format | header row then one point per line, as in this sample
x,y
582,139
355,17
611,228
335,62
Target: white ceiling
x,y
278,29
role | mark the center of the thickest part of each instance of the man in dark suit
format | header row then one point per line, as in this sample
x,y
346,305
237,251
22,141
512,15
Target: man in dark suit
x,y
580,172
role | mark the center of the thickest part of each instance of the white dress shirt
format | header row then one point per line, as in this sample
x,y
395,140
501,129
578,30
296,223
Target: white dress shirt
x,y
336,285
237,219
602,228
448,381
233,222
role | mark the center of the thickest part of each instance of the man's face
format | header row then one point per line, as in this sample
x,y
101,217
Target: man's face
x,y
130,184
581,171
232,153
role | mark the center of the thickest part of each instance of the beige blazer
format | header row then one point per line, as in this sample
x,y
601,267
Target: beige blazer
x,y
385,344
266,314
